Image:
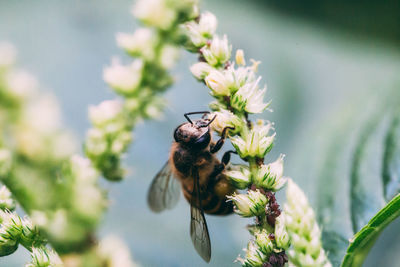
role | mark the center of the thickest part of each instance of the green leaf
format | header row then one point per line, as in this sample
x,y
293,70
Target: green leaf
x,y
364,239
360,173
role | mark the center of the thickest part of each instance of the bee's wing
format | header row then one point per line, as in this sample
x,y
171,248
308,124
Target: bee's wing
x,y
164,190
198,225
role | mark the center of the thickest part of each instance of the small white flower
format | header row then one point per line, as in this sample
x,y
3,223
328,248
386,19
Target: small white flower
x,y
219,83
263,241
239,57
306,249
256,142
250,98
8,54
124,79
141,43
224,118
270,176
282,238
83,170
6,201
254,257
168,56
96,143
155,13
105,112
44,257
218,52
251,204
239,176
200,70
202,31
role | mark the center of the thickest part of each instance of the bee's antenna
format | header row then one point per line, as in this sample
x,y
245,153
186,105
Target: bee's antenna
x,y
210,121
192,113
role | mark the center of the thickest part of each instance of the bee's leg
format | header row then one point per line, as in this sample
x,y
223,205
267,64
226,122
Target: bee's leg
x,y
217,146
225,160
220,167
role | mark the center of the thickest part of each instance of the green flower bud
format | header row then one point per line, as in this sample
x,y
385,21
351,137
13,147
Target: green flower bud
x,y
44,257
282,238
239,176
249,98
200,70
254,256
142,43
218,52
306,249
256,142
263,241
251,204
6,201
224,118
199,33
270,176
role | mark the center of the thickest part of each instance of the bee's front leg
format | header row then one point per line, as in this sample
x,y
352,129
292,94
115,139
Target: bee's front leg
x,y
217,146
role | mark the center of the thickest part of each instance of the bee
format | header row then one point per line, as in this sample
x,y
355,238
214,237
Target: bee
x,y
193,166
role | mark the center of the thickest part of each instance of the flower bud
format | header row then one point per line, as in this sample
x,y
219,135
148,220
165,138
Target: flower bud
x,y
270,176
263,241
254,257
254,143
282,238
42,256
239,57
218,83
200,70
224,118
106,112
218,52
6,201
202,31
168,56
96,143
239,176
303,230
251,204
142,43
124,79
249,98
155,13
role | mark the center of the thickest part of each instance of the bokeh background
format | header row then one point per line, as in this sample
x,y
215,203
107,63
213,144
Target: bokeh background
x,y
318,59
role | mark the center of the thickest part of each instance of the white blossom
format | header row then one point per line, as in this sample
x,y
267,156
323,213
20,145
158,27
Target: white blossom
x,y
239,176
250,98
168,56
124,79
105,112
271,176
256,142
44,257
224,118
141,43
200,70
6,201
251,204
264,242
305,235
239,57
202,31
218,52
155,13
21,84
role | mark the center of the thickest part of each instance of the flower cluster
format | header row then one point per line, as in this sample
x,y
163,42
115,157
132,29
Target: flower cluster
x,y
238,93
304,231
42,256
155,50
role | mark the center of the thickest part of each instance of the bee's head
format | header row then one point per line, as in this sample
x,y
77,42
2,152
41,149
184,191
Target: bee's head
x,y
194,134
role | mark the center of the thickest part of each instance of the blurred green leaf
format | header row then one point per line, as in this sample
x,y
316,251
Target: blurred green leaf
x,y
360,173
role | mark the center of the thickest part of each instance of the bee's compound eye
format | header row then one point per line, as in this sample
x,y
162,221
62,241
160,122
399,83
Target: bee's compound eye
x,y
203,141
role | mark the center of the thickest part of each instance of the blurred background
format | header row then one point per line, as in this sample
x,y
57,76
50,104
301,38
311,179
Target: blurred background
x,y
320,59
